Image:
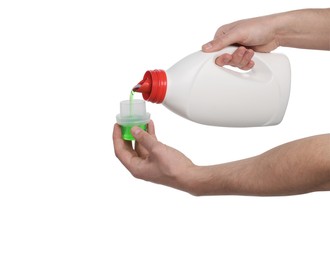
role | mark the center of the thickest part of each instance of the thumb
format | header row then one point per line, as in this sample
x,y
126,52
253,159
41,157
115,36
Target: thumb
x,y
143,138
219,43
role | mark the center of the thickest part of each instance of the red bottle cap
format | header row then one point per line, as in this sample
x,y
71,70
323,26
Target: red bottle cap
x,y
153,86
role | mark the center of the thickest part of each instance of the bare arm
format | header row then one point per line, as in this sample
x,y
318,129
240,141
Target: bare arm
x,y
297,167
308,29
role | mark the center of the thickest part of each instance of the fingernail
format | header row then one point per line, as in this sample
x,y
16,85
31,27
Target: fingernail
x,y
207,46
226,60
223,61
136,130
219,62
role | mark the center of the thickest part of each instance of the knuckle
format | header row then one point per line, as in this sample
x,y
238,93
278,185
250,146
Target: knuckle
x,y
141,137
157,148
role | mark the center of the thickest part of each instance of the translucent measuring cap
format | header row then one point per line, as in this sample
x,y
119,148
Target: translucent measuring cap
x,y
132,113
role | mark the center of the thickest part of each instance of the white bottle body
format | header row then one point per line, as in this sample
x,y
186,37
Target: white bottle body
x,y
203,92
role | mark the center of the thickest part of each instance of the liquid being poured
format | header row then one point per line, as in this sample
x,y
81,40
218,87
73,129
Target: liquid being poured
x,y
131,98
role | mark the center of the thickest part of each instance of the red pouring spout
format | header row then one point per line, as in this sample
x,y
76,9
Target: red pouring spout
x,y
153,86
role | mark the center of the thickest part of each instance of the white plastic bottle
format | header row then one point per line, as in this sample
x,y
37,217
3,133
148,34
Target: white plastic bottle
x,y
199,90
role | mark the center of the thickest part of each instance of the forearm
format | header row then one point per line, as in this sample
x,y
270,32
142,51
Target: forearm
x,y
297,167
307,28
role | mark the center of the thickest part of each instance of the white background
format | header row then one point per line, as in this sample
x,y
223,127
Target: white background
x,y
64,68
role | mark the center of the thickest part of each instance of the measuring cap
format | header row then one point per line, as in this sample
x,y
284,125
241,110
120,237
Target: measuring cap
x,y
132,113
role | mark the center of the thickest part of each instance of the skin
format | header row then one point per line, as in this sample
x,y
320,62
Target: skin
x,y
307,29
304,167
297,167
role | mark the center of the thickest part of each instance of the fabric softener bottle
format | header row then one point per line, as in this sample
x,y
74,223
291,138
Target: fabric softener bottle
x,y
199,90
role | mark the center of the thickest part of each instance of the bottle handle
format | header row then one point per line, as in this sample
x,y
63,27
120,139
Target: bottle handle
x,y
260,71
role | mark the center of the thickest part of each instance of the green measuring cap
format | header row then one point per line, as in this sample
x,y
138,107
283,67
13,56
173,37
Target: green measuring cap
x,y
132,113
126,132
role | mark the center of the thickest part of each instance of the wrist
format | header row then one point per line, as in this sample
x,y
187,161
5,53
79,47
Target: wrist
x,y
195,180
205,180
282,28
305,28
